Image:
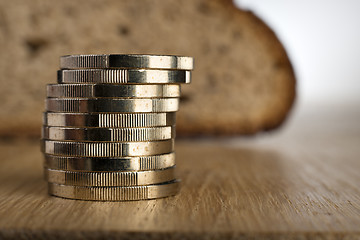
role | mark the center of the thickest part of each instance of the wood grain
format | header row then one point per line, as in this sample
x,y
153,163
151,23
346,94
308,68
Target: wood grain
x,y
302,183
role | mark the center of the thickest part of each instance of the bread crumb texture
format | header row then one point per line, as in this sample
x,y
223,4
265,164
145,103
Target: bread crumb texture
x,y
243,81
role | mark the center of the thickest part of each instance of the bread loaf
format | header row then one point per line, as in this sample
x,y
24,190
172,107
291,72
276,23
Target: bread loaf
x,y
243,81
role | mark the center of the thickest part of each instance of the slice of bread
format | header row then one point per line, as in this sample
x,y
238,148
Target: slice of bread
x,y
243,81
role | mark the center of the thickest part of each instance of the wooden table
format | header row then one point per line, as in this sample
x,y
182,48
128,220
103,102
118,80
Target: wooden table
x,y
300,183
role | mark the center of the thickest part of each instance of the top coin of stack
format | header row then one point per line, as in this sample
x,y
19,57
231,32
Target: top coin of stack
x,y
109,126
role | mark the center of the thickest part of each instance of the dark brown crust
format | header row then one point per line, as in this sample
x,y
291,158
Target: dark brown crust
x,y
274,121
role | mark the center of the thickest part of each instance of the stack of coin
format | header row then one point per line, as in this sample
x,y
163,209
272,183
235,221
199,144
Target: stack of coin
x,y
109,126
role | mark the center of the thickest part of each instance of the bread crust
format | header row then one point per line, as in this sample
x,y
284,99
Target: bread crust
x,y
258,117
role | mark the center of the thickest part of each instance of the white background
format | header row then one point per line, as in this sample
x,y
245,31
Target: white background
x,y
322,39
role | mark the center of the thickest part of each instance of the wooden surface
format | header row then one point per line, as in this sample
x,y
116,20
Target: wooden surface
x,y
300,183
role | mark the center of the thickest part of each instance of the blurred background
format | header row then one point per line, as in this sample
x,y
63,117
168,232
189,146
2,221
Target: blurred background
x,y
322,40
